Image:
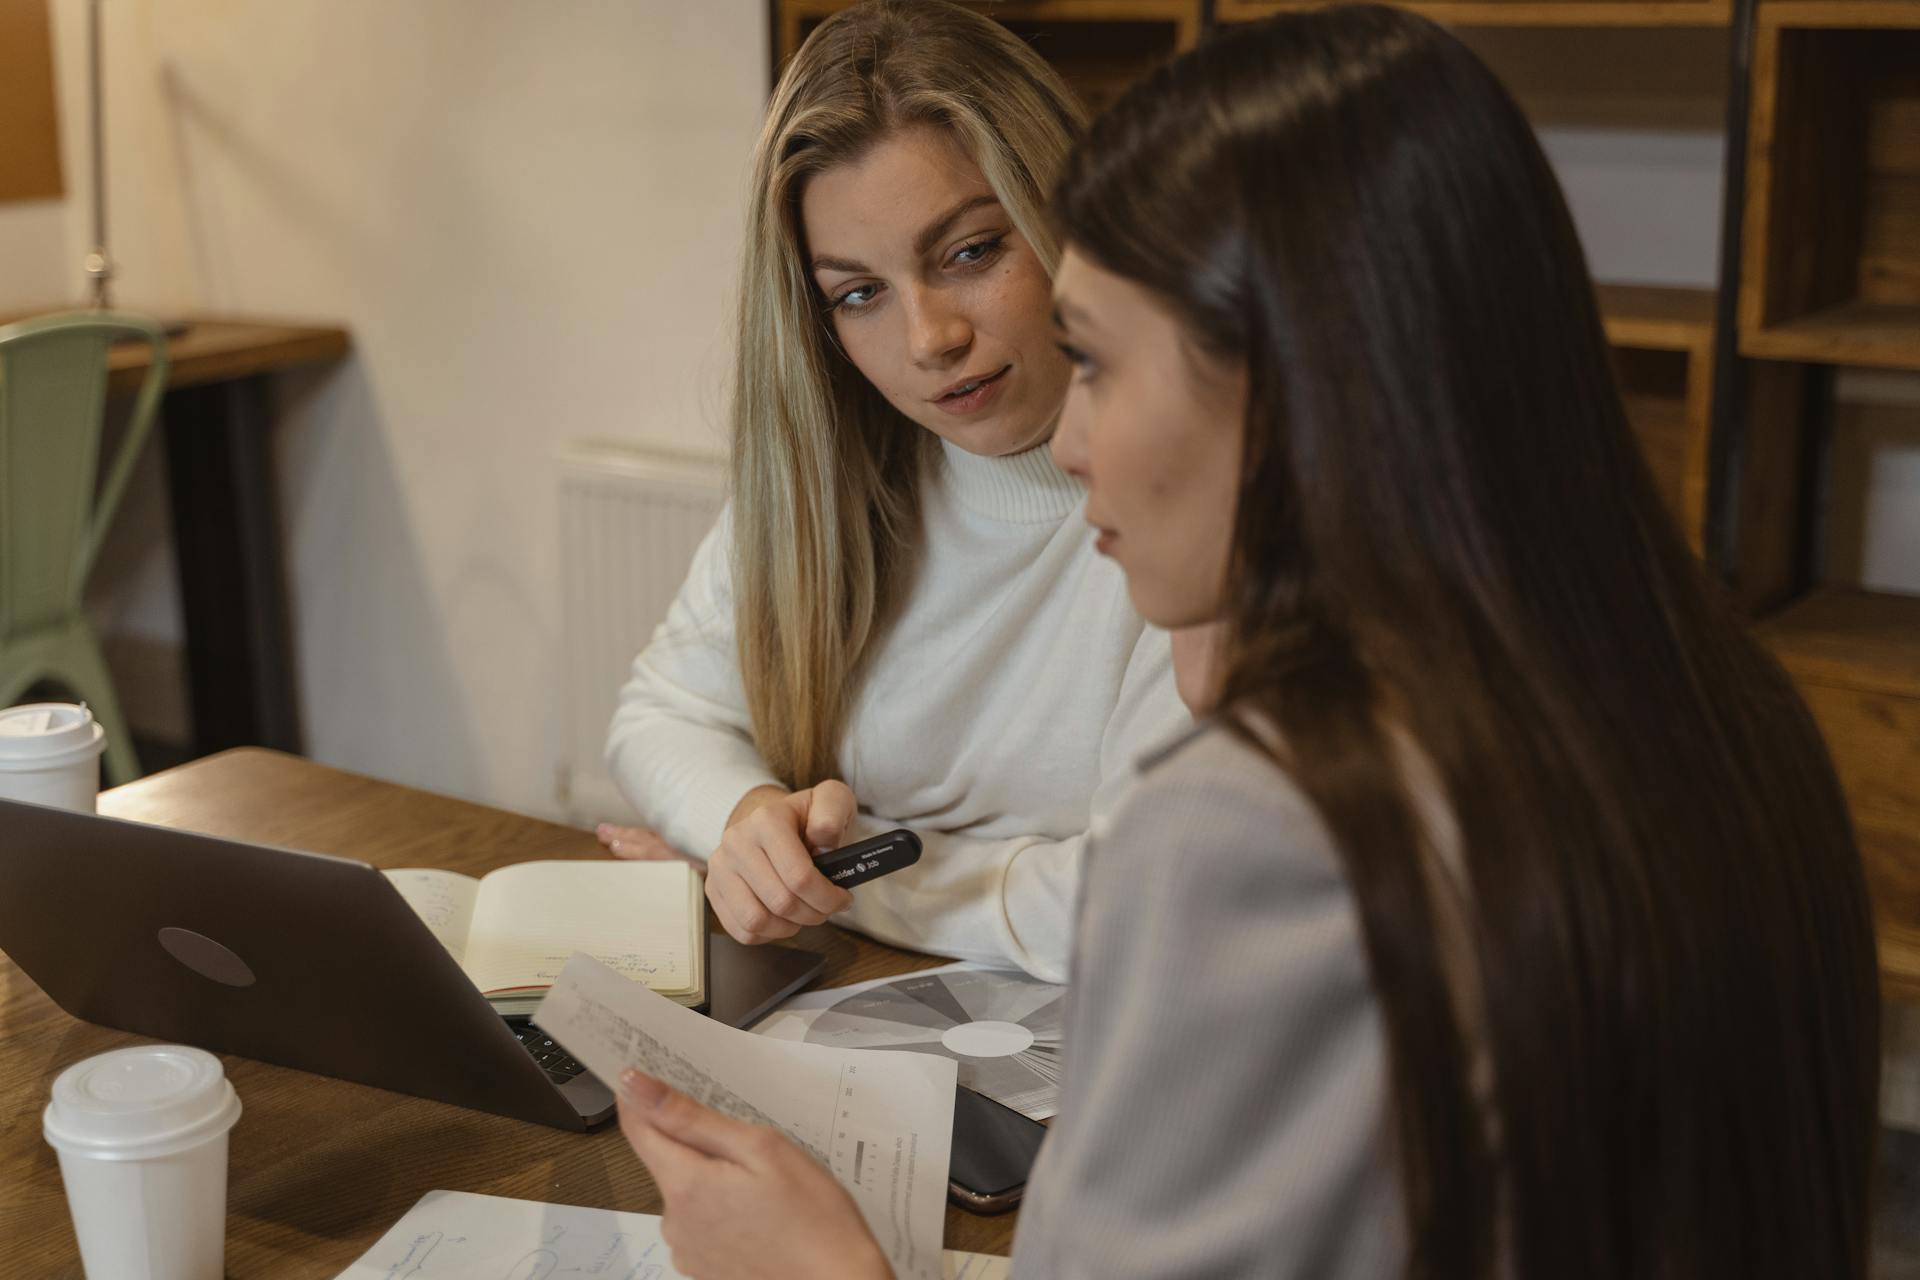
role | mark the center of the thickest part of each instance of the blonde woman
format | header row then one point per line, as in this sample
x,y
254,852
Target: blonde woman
x,y
899,621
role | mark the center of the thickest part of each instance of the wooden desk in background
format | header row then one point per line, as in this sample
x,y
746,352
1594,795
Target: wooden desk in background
x,y
320,1168
216,421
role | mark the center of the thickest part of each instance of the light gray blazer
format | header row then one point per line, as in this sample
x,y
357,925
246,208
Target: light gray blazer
x,y
1224,1103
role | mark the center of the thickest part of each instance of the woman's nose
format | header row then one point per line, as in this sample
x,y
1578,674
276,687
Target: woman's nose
x,y
1070,436
936,331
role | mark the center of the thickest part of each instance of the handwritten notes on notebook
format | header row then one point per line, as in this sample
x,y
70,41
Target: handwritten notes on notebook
x,y
882,1122
513,928
455,1235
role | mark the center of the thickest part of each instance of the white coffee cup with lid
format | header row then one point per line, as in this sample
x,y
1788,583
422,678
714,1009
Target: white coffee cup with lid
x,y
142,1139
50,754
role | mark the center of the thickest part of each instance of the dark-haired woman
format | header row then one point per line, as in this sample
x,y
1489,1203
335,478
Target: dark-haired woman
x,y
1502,918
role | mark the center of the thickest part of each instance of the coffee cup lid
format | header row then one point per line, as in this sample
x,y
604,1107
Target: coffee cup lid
x,y
140,1102
39,730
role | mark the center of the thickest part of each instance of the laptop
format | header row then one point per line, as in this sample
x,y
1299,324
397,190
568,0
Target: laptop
x,y
301,959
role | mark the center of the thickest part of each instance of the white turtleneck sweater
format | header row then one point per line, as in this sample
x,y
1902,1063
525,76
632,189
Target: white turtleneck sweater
x,y
1004,710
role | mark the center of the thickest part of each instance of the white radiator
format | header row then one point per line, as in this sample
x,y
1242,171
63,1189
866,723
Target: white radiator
x,y
630,521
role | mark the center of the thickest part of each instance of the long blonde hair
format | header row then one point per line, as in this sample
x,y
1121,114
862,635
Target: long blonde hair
x,y
826,504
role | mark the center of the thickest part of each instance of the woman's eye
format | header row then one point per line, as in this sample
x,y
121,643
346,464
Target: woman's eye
x,y
856,299
979,252
1082,362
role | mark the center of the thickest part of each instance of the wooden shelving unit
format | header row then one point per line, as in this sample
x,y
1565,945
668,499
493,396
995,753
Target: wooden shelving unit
x,y
1522,13
1830,275
1832,267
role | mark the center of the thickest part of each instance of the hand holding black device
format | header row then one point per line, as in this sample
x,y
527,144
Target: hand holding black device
x,y
870,859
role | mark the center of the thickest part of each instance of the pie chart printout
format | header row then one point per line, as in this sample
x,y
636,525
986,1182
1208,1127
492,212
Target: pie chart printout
x,y
1003,1029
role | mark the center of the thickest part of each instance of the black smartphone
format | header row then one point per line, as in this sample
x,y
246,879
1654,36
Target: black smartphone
x,y
993,1150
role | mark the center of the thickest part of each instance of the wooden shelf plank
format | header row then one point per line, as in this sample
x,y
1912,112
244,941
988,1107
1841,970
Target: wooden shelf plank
x,y
1868,640
1839,13
1655,317
1098,73
1047,10
1523,13
1899,960
1856,657
1882,334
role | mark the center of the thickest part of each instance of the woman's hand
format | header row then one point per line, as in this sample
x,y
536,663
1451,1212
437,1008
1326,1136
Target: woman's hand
x,y
638,844
762,881
740,1201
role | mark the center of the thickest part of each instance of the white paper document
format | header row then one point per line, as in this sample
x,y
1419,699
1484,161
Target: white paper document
x,y
882,1122
456,1235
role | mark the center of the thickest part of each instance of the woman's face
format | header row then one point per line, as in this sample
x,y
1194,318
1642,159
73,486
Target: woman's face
x,y
1154,428
934,295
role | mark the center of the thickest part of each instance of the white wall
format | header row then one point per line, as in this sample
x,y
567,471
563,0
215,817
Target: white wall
x,y
33,251
1647,204
528,216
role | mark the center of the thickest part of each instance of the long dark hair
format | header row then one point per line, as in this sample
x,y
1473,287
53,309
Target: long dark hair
x,y
1445,532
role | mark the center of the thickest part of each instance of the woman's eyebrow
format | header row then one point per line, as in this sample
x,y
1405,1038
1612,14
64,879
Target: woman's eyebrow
x,y
1067,315
824,263
936,230
922,243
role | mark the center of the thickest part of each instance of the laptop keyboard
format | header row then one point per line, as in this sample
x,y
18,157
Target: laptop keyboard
x,y
551,1057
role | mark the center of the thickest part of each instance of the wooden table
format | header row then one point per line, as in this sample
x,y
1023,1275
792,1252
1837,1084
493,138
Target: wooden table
x,y
216,419
319,1168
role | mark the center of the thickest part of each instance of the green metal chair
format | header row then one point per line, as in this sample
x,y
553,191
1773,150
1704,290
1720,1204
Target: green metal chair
x,y
55,506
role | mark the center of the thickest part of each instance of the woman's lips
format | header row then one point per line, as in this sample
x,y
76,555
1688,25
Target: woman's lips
x,y
984,392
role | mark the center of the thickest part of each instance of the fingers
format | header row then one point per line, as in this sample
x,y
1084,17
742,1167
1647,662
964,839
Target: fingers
x,y
636,843
831,810
741,913
647,1103
786,869
671,1162
762,881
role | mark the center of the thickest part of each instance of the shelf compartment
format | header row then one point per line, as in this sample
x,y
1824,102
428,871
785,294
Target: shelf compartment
x,y
1855,656
1662,341
1832,257
1522,13
1854,639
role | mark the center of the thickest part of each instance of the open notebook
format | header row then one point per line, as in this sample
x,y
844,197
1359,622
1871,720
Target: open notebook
x,y
513,929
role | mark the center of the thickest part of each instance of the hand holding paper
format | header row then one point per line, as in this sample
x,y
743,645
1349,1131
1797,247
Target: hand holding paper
x,y
882,1123
742,1200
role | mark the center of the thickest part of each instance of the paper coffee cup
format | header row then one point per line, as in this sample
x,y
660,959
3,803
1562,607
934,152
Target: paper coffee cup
x,y
50,754
142,1138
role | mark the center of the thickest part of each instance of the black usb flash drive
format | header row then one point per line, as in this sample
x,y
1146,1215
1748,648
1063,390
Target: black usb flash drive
x,y
870,859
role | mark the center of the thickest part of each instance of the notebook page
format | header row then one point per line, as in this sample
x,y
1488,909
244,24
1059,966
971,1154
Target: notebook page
x,y
449,1234
635,917
443,899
